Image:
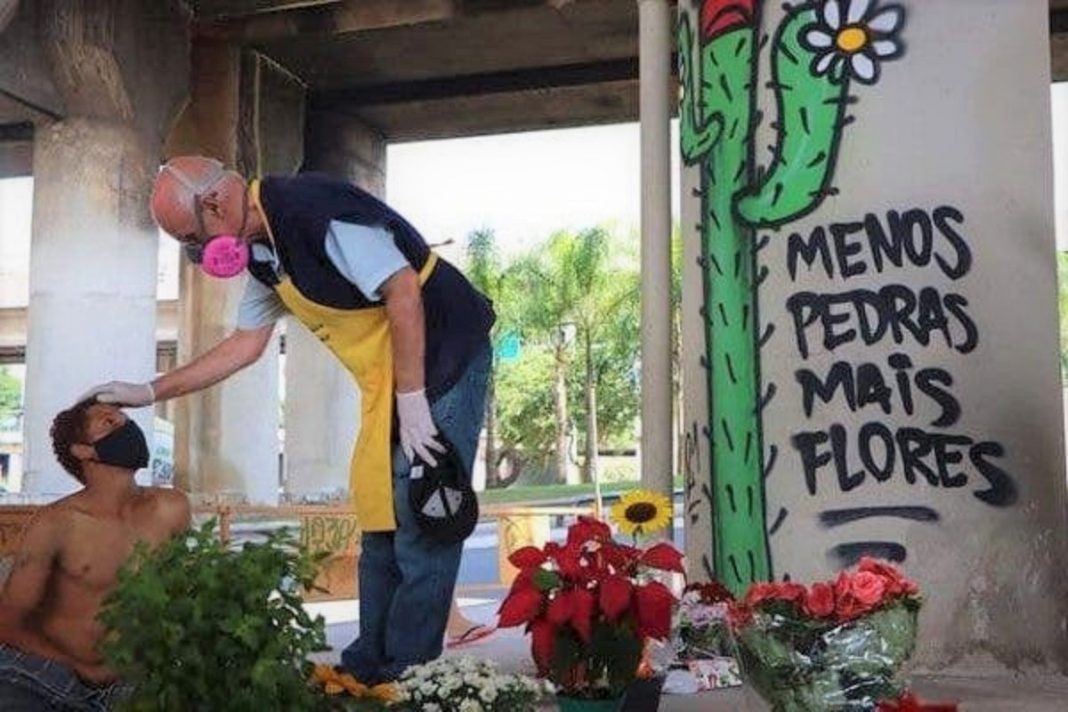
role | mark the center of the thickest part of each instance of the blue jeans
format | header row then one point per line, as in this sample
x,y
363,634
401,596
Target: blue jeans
x,y
406,579
30,683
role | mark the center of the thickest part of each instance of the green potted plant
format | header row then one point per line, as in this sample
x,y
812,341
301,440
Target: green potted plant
x,y
196,625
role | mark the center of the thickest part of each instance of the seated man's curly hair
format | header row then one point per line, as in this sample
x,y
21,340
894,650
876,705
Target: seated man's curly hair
x,y
69,429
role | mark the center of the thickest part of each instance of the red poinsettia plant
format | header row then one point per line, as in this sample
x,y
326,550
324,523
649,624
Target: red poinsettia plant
x,y
589,606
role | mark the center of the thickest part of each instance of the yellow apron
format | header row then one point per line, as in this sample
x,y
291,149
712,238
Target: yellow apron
x,y
360,339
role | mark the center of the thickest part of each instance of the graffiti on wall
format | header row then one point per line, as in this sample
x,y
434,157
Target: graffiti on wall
x,y
819,53
889,393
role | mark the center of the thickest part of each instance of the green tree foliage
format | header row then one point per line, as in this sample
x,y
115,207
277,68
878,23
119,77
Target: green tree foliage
x,y
575,302
10,392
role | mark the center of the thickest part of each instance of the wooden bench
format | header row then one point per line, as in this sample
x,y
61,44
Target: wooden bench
x,y
334,528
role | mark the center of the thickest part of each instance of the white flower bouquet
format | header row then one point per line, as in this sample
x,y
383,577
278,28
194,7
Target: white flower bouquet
x,y
465,685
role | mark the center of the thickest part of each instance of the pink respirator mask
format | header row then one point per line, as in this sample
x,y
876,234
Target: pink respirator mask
x,y
223,256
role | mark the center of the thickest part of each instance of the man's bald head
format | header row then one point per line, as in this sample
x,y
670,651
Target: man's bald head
x,y
188,185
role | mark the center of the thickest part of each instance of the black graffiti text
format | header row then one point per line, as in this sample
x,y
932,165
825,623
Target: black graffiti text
x,y
870,316
876,451
912,237
863,385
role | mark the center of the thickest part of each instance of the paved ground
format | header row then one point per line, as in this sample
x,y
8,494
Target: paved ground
x,y
510,650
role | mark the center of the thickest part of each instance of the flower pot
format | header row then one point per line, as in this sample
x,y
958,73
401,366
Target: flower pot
x,y
643,695
578,704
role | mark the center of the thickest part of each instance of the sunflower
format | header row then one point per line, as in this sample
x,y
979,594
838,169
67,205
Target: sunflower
x,y
641,512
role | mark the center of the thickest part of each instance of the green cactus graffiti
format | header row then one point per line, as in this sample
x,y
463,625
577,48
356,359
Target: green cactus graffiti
x,y
818,51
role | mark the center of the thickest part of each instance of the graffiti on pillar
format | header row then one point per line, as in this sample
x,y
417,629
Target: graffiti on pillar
x,y
820,51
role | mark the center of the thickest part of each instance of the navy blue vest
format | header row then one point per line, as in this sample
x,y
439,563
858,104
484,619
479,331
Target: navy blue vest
x,y
300,209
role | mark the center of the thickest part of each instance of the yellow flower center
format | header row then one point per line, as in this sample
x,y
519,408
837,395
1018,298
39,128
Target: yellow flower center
x,y
852,39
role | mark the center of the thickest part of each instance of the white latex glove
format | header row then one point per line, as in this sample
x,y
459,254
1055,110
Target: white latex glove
x,y
133,395
417,429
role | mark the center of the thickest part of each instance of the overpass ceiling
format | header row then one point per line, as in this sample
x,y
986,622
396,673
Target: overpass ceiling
x,y
434,68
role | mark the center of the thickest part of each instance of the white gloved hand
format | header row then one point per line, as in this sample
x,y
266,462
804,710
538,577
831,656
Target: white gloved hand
x,y
417,429
133,395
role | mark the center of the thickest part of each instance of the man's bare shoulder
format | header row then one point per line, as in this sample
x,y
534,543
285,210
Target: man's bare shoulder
x,y
170,505
56,514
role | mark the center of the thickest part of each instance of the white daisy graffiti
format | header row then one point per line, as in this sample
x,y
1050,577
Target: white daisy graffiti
x,y
852,37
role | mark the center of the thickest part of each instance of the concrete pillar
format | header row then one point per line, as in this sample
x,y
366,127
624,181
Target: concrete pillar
x,y
322,403
655,22
93,254
226,438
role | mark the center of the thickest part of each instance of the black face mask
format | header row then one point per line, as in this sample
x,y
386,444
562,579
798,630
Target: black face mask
x,y
125,447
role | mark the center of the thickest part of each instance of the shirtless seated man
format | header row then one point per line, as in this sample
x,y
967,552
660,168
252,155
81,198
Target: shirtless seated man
x,y
68,560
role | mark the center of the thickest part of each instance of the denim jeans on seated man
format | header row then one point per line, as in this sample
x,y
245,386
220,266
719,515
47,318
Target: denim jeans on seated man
x,y
407,579
29,683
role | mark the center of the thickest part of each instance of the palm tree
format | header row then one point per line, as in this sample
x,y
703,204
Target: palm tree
x,y
542,295
487,275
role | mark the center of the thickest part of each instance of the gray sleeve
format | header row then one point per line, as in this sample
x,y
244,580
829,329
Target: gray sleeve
x,y
365,255
260,306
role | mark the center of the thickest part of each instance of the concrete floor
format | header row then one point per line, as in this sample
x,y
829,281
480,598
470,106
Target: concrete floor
x,y
510,649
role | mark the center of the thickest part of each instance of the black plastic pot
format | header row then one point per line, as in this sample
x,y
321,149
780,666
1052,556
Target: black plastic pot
x,y
643,695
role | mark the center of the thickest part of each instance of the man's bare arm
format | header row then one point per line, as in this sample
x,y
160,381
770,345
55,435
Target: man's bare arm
x,y
27,586
240,349
404,306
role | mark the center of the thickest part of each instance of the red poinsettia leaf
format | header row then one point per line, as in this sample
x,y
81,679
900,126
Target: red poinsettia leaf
x,y
542,644
721,16
615,596
569,562
663,556
520,606
561,607
529,557
620,557
587,529
583,604
653,602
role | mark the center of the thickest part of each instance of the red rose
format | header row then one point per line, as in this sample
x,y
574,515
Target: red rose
x,y
760,592
896,583
819,603
739,615
520,606
847,608
721,16
791,592
868,588
711,593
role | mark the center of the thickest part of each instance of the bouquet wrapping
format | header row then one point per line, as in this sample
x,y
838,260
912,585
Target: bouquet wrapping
x,y
837,646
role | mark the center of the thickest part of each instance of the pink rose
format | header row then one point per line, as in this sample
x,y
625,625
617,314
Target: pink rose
x,y
819,603
868,588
